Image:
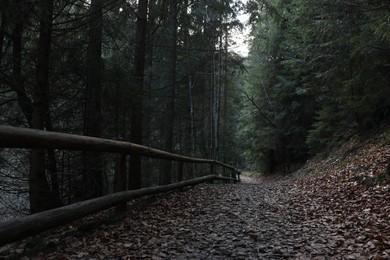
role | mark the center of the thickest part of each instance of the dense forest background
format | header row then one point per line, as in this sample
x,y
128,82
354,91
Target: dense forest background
x,y
164,74
157,73
318,73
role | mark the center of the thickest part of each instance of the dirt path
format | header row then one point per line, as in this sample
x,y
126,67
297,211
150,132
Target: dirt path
x,y
249,180
220,221
334,208
271,220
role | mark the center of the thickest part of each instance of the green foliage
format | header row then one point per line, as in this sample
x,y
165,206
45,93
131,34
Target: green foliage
x,y
319,72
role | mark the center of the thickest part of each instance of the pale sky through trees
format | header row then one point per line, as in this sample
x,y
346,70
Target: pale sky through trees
x,y
241,38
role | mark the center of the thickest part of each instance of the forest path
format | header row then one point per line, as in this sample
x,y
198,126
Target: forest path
x,y
209,221
332,208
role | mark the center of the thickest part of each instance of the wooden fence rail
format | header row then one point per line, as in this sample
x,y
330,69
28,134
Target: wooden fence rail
x,y
39,222
15,137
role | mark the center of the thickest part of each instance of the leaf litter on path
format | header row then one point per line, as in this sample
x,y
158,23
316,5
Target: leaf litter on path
x,y
333,214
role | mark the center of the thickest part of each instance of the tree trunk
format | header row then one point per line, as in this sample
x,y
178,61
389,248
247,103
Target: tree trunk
x,y
93,179
24,101
189,136
135,180
40,196
171,87
3,26
147,180
225,129
191,129
52,168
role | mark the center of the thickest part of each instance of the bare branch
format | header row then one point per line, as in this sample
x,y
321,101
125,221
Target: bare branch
x,y
260,110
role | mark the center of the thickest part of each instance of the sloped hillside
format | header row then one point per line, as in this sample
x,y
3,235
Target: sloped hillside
x,y
348,195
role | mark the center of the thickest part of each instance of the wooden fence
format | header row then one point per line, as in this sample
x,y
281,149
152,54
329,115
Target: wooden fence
x,y
14,137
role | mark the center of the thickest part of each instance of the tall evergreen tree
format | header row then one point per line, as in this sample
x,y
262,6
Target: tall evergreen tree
x,y
40,196
93,179
169,122
316,74
135,180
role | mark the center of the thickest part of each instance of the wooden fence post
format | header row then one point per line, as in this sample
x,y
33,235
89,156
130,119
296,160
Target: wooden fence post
x,y
14,137
120,184
180,171
212,168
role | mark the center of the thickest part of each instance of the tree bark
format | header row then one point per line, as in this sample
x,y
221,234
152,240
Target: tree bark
x,y
93,179
52,168
135,180
190,139
169,122
40,196
148,86
191,125
24,101
3,26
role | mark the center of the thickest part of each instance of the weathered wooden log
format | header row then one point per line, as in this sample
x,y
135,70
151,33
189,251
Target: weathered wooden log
x,y
16,137
39,222
120,180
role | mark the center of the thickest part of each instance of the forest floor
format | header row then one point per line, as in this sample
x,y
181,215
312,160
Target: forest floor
x,y
333,208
